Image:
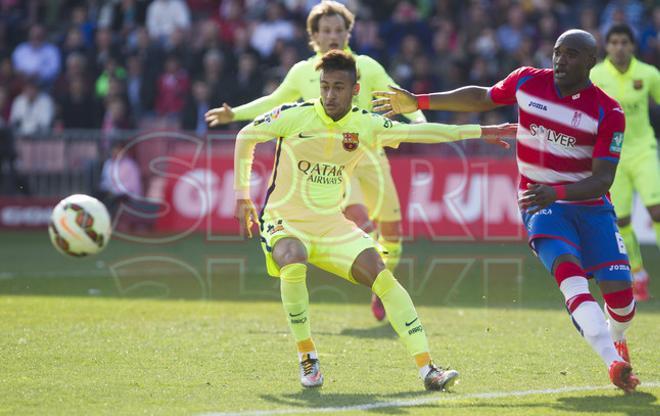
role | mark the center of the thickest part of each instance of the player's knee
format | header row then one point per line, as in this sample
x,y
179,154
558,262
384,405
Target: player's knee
x,y
360,216
566,263
367,266
623,222
552,252
654,212
289,251
391,231
615,285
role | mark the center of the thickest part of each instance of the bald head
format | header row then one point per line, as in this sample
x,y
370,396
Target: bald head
x,y
574,56
578,39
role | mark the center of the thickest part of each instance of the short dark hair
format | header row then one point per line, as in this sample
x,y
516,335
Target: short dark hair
x,y
336,60
620,29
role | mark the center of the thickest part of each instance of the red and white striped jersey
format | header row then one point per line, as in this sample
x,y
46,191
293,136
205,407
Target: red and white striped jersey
x,y
559,137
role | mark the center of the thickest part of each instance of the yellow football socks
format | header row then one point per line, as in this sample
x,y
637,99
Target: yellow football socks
x,y
401,312
295,300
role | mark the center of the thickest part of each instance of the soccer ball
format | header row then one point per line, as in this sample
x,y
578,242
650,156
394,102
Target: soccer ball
x,y
80,226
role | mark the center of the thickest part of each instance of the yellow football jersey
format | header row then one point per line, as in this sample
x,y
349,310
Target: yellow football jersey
x,y
632,90
316,155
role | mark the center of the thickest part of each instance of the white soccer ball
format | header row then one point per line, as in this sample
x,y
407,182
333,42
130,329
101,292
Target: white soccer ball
x,y
80,226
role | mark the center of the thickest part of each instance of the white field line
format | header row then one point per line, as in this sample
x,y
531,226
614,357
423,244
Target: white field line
x,y
420,402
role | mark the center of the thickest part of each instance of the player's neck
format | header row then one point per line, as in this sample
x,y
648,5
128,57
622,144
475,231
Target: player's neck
x,y
340,116
622,67
568,90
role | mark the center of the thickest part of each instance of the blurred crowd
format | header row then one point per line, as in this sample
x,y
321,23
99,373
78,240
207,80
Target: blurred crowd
x,y
124,64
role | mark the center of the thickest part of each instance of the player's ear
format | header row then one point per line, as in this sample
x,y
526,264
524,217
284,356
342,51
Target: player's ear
x,y
356,88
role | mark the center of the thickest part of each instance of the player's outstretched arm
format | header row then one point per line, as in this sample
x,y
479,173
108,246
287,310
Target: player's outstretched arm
x,y
287,91
246,215
391,134
496,133
219,115
538,196
399,100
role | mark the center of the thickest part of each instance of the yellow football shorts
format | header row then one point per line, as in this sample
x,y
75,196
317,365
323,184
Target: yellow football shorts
x,y
332,242
372,185
641,174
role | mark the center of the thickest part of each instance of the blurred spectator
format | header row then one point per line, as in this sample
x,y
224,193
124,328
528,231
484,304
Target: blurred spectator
x,y
197,105
151,62
511,34
480,73
475,20
367,40
120,183
207,38
230,20
274,27
202,8
423,79
589,21
115,119
178,45
8,174
405,21
37,57
287,59
139,90
543,54
401,65
104,50
75,68
649,44
548,28
77,108
111,70
32,111
249,80
485,44
122,16
73,43
165,16
12,18
216,77
622,11
172,88
9,79
80,20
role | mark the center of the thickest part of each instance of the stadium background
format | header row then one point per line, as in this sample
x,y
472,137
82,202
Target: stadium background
x,y
85,336
134,78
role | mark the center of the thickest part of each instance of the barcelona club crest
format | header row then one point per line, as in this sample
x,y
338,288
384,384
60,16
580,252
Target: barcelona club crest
x,y
638,84
351,141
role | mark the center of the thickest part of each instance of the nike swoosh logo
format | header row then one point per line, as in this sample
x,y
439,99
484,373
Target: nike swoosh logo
x,y
302,136
298,314
411,322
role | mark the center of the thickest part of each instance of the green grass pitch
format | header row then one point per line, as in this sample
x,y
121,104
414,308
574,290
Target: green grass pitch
x,y
194,327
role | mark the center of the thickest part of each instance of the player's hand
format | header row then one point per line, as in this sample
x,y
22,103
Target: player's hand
x,y
537,197
219,115
495,134
246,215
396,101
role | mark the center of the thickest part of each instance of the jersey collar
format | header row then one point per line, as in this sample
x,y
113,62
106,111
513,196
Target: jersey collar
x,y
610,66
326,119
